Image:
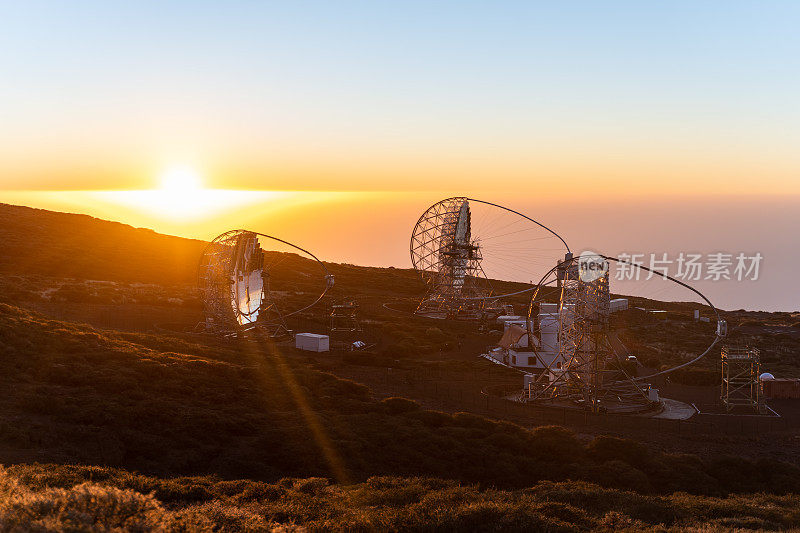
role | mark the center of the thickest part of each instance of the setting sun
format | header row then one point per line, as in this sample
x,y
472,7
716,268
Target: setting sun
x,y
181,197
180,179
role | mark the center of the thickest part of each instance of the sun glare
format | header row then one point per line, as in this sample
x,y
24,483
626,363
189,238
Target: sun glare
x,y
180,179
182,196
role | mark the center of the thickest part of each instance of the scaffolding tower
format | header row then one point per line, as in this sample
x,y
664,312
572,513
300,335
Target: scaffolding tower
x,y
344,317
741,367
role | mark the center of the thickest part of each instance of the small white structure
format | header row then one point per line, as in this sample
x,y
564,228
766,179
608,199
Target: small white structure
x,y
618,304
503,319
548,328
696,315
766,376
312,342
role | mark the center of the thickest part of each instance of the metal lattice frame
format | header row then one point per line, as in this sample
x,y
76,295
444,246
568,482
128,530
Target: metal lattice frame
x,y
590,371
235,285
449,262
344,317
582,322
559,384
741,368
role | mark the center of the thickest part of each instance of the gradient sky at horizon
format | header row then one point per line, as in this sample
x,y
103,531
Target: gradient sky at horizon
x,y
629,97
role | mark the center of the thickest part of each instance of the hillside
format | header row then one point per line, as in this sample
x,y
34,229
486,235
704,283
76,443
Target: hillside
x,y
65,245
164,407
167,406
109,419
78,268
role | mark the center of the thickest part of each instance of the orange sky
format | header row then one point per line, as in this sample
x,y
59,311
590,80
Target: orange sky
x,y
373,228
559,171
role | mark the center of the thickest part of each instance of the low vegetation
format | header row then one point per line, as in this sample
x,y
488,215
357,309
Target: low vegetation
x,y
168,406
70,498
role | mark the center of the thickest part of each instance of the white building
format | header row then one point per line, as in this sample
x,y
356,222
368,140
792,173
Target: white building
x,y
312,342
515,350
542,351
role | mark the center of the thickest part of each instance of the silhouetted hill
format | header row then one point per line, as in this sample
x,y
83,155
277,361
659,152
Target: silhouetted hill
x,y
37,242
47,243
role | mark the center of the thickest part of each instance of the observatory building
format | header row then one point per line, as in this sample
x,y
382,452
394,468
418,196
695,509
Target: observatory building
x,y
537,349
541,349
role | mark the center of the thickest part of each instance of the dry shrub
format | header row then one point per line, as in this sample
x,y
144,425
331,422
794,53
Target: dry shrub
x,y
87,507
